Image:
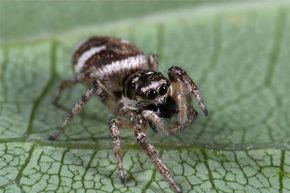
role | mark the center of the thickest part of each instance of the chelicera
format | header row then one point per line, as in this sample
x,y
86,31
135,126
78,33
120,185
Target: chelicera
x,y
133,90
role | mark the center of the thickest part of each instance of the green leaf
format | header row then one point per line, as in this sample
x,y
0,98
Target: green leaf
x,y
238,54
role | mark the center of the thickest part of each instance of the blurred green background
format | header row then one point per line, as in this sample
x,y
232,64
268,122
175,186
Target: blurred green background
x,y
31,18
236,51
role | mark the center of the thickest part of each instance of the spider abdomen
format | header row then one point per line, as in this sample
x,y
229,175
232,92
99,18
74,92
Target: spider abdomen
x,y
109,60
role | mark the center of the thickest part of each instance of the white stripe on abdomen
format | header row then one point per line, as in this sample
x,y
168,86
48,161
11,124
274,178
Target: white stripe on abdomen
x,y
122,65
86,56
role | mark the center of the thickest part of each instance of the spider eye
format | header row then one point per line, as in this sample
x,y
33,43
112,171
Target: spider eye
x,y
152,94
163,90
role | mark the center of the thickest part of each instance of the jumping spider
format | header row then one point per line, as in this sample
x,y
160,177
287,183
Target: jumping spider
x,y
135,93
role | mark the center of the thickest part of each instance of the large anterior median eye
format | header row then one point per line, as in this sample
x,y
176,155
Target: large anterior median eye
x,y
163,90
152,94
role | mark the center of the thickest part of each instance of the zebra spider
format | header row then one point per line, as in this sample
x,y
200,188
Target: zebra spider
x,y
130,85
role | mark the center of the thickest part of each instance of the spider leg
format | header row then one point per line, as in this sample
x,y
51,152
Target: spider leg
x,y
138,127
153,118
77,107
153,62
65,84
179,94
185,115
115,125
152,126
178,74
158,123
192,115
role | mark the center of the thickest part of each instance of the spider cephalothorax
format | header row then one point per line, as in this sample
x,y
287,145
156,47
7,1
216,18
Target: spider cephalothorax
x,y
132,88
144,88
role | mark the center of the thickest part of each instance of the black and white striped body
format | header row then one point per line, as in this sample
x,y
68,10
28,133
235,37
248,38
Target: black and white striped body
x,y
130,85
108,60
118,65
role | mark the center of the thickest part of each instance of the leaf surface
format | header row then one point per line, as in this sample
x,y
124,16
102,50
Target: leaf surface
x,y
238,54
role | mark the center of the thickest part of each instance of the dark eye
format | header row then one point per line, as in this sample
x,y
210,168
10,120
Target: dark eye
x,y
163,90
152,94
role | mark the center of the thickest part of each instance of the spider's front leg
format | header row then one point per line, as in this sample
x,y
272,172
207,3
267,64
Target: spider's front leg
x,y
182,87
176,73
138,126
156,121
160,125
192,115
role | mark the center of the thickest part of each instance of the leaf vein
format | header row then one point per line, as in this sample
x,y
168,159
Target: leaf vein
x,y
276,46
45,90
281,173
217,48
20,172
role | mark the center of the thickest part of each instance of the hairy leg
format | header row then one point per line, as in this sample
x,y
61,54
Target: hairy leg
x,y
177,74
77,107
192,115
63,85
156,121
143,141
161,126
153,62
115,126
179,95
